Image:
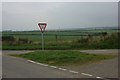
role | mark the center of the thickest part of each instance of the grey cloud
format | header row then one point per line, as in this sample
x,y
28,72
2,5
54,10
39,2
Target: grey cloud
x,y
25,16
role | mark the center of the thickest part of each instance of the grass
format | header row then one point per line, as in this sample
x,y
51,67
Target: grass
x,y
48,36
65,40
63,57
51,35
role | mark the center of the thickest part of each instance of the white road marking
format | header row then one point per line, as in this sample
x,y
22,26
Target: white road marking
x,y
31,61
99,77
43,64
86,74
62,69
53,66
73,71
37,63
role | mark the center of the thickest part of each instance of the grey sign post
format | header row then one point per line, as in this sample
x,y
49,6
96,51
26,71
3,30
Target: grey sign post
x,y
42,27
42,41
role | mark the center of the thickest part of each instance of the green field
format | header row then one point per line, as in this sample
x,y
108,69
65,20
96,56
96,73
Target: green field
x,y
63,57
51,35
62,40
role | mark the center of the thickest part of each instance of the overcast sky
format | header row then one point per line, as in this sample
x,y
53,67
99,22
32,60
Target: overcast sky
x,y
26,15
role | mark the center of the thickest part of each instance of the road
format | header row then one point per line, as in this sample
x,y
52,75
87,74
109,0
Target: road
x,y
106,51
22,68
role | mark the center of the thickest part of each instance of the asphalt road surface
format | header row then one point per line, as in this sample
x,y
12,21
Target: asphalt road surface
x,y
21,68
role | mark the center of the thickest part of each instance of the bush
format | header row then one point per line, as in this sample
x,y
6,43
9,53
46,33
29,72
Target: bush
x,y
8,38
104,41
104,33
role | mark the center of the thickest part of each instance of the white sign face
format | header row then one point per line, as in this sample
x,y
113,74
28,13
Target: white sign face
x,y
42,26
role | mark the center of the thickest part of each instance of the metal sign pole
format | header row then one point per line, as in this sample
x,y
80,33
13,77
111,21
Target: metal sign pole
x,y
42,27
42,41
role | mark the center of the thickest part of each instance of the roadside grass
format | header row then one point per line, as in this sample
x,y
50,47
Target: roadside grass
x,y
63,57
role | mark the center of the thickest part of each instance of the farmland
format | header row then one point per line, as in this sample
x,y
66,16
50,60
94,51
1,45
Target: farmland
x,y
62,40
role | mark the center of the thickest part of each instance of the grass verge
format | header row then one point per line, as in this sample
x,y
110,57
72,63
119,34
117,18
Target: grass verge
x,y
63,57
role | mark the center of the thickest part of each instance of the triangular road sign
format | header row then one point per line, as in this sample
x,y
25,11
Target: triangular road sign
x,y
42,26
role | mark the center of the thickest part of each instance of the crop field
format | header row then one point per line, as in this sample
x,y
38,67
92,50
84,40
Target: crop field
x,y
55,35
48,36
64,39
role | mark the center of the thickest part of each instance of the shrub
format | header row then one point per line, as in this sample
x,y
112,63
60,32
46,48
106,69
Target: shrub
x,y
105,41
8,38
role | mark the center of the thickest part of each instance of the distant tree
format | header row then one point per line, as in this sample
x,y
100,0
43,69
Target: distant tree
x,y
89,36
104,33
8,38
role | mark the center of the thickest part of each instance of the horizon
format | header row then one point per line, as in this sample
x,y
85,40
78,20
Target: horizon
x,y
82,28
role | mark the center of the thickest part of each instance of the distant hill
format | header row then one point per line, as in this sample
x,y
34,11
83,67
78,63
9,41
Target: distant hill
x,y
87,28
